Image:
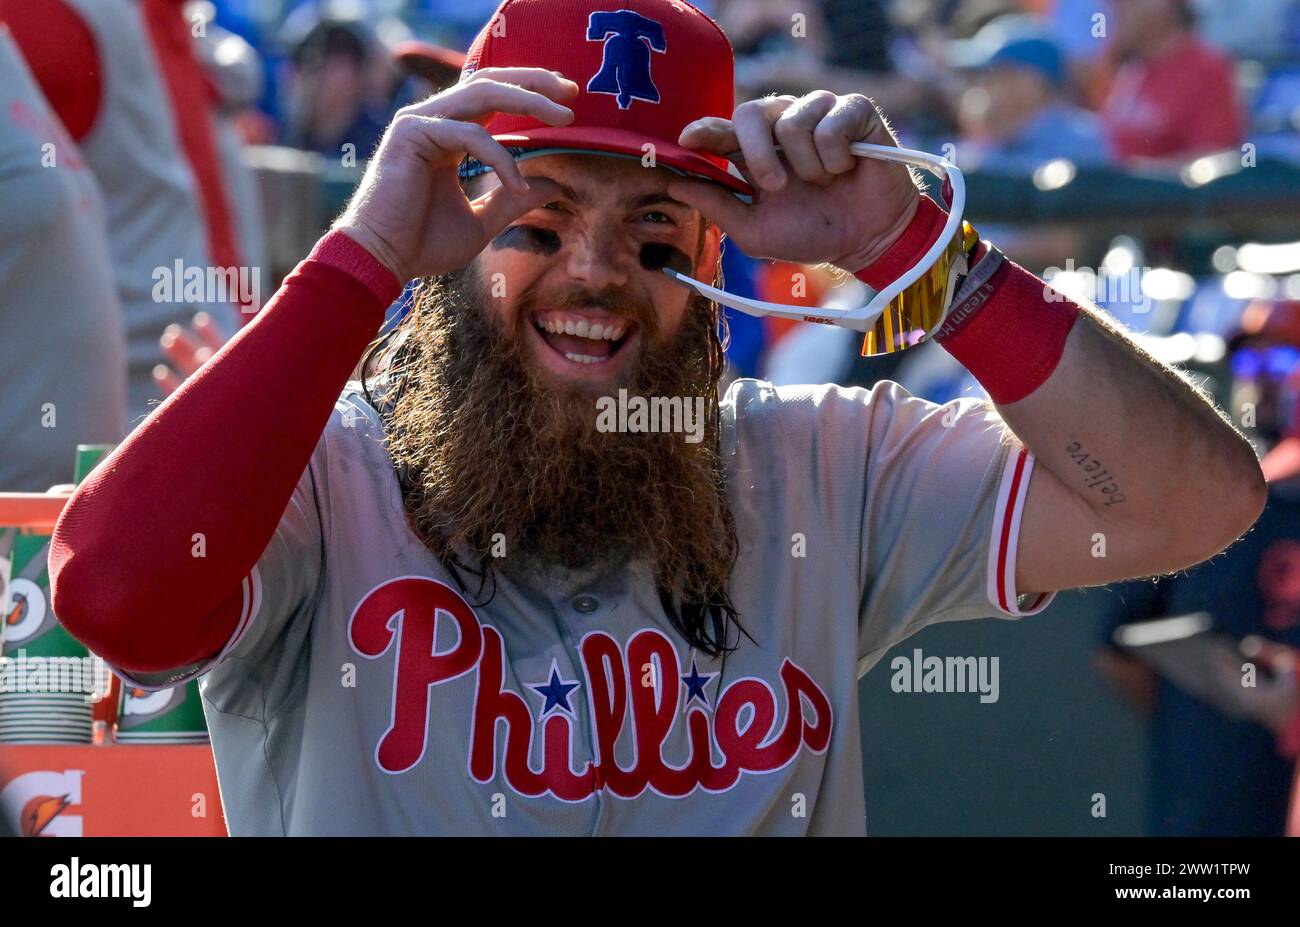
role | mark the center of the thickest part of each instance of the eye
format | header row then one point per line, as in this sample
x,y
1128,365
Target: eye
x,y
657,218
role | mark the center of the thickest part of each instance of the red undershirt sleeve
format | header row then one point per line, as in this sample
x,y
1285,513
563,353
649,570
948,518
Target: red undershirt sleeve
x,y
220,457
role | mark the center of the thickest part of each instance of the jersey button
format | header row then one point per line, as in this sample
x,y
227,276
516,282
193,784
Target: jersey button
x,y
585,604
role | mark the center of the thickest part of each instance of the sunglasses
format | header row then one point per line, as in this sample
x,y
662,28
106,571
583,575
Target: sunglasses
x,y
913,307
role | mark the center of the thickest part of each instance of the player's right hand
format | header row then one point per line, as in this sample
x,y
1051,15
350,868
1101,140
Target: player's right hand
x,y
409,210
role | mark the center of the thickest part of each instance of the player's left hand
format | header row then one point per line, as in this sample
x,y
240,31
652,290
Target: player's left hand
x,y
815,201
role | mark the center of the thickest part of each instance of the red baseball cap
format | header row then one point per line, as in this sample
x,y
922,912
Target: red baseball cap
x,y
645,69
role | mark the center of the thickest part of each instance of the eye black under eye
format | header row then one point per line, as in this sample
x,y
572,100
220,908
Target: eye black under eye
x,y
530,238
657,256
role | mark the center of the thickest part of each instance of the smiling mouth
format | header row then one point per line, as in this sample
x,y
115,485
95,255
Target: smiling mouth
x,y
584,338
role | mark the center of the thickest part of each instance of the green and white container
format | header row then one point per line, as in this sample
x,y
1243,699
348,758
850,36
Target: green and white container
x,y
88,457
48,680
170,716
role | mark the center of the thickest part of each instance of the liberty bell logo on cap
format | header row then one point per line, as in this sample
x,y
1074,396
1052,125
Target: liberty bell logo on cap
x,y
645,70
629,40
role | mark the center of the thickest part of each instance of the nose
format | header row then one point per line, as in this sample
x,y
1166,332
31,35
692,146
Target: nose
x,y
601,258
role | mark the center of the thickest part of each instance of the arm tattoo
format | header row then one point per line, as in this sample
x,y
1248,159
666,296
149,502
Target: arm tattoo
x,y
1095,475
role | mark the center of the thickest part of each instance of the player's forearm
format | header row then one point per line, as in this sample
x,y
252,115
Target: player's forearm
x,y
170,524
1134,442
1140,446
1138,455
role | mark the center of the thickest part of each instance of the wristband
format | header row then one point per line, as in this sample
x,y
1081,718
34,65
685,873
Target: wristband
x,y
1006,329
343,253
975,289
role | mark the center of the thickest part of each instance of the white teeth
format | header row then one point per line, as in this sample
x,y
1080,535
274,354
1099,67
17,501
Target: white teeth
x,y
585,358
583,328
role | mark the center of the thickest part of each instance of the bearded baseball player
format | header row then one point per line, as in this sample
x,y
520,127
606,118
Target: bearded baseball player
x,y
446,597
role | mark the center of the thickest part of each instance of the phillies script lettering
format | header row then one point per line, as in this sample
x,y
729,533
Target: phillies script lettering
x,y
741,732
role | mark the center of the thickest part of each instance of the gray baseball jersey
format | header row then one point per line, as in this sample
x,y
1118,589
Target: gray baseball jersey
x,y
362,693
64,359
151,196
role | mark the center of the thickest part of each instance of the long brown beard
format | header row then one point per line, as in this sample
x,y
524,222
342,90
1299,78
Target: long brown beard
x,y
499,471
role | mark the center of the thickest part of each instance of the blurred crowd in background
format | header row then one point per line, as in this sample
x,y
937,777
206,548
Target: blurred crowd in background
x,y
227,134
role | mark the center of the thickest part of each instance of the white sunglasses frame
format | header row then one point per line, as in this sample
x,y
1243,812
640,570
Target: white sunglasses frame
x,y
862,318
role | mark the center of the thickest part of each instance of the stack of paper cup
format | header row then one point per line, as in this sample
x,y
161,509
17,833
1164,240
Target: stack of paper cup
x,y
47,718
47,679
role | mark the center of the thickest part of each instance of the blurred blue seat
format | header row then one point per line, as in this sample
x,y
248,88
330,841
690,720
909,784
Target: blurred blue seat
x,y
1277,102
1210,309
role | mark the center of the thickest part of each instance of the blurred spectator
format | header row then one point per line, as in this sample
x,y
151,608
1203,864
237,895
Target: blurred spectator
x,y
1249,28
340,83
1082,29
852,34
774,51
1212,774
844,46
459,19
1079,27
860,34
97,63
1014,115
246,17
964,18
64,361
1173,96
